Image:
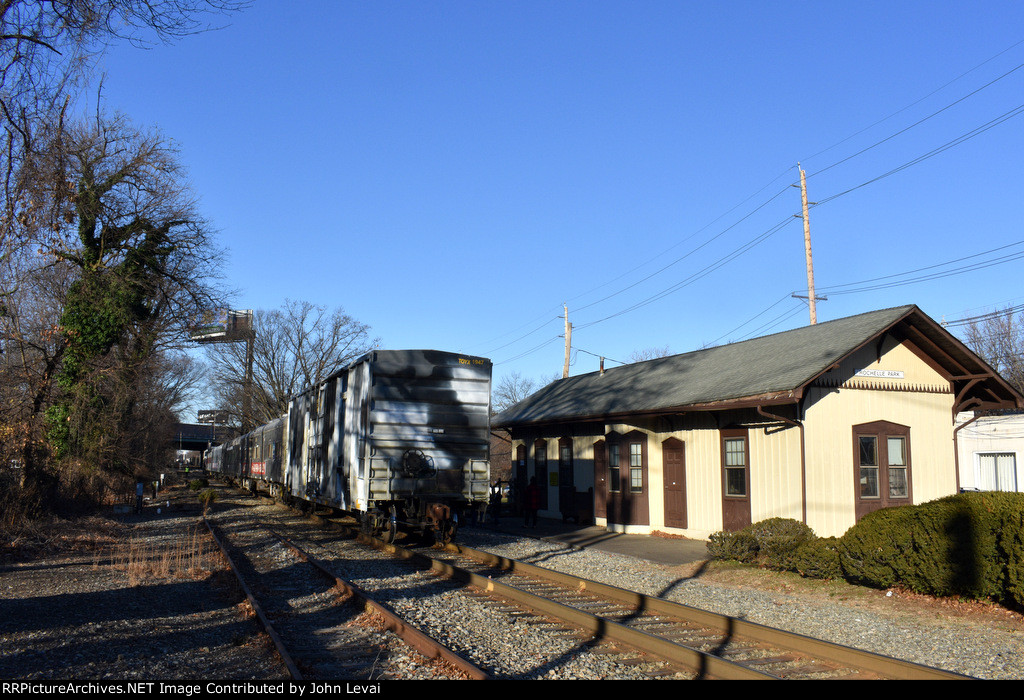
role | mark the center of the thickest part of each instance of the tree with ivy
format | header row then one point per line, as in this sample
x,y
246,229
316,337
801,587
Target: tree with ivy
x,y
96,266
111,208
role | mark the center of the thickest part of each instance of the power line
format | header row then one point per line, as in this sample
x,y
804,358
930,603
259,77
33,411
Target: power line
x,y
775,322
765,235
736,253
692,251
919,122
922,99
703,272
750,320
530,351
934,152
869,284
985,317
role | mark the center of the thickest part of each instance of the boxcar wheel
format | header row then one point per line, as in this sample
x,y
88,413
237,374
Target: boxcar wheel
x,y
447,532
365,523
389,531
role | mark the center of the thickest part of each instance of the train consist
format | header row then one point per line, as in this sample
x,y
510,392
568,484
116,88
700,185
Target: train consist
x,y
398,438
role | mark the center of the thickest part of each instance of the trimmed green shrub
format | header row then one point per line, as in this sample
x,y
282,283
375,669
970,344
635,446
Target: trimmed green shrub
x,y
969,545
965,545
814,558
1011,545
740,546
869,551
777,538
766,541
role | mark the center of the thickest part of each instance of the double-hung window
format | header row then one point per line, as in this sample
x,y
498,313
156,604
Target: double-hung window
x,y
636,467
735,466
614,478
882,466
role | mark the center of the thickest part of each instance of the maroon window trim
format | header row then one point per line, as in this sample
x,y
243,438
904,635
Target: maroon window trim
x,y
882,466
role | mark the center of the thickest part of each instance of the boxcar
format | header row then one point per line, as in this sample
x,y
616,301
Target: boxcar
x,y
398,438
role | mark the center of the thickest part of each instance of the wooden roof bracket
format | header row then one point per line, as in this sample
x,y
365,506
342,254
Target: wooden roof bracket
x,y
958,401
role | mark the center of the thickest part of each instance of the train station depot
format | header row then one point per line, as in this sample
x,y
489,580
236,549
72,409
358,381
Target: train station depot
x,y
821,424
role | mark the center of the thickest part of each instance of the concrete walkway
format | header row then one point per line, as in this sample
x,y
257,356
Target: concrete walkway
x,y
663,550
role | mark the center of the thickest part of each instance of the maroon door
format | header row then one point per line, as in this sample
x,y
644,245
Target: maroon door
x,y
627,479
674,462
540,465
600,480
522,478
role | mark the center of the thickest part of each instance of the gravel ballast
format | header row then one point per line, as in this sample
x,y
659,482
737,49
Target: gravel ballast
x,y
88,614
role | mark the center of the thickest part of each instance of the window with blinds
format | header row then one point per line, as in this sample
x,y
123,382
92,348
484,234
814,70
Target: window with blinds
x,y
997,471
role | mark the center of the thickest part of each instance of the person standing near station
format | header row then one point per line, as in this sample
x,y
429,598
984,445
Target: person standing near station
x,y
140,489
532,503
495,503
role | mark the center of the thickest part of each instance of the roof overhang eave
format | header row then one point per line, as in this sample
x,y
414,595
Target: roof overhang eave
x,y
774,398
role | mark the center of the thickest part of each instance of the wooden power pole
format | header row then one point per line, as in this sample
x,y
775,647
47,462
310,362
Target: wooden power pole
x,y
568,341
807,247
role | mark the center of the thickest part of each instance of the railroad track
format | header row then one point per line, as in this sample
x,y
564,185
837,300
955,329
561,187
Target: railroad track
x,y
322,626
504,643
709,643
653,636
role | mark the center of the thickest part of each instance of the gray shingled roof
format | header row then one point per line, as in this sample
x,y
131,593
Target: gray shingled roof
x,y
782,362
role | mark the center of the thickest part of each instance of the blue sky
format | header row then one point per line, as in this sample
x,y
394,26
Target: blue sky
x,y
452,173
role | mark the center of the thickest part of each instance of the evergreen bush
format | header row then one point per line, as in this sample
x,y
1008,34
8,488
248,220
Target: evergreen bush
x,y
767,541
740,546
965,545
777,538
814,558
969,545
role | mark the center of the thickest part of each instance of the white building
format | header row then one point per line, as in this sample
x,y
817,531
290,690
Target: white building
x,y
990,450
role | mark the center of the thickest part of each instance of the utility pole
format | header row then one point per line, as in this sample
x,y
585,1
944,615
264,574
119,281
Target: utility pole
x,y
568,341
807,246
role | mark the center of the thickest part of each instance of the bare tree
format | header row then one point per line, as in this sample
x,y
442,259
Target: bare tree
x,y
31,349
48,48
998,338
648,354
293,347
102,254
510,390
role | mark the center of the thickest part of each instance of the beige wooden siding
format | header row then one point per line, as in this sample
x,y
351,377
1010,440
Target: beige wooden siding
x,y
774,470
775,466
913,394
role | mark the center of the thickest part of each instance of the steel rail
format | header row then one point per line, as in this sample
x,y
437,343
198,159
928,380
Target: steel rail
x,y
724,624
412,636
282,651
703,664
698,661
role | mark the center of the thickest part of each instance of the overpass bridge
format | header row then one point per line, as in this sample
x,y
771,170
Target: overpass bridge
x,y
197,437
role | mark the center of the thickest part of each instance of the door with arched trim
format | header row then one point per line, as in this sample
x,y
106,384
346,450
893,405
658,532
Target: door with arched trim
x,y
627,479
600,479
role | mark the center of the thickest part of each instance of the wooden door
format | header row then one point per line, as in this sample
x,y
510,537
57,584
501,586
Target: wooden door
x,y
600,480
674,465
566,480
627,479
521,477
